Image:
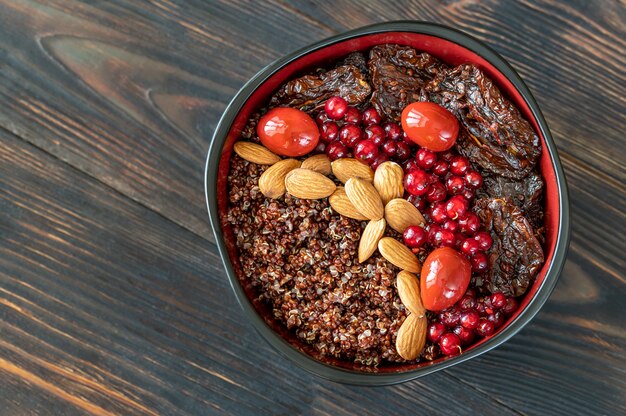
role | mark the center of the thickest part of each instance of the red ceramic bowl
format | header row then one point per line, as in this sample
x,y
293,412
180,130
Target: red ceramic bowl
x,y
450,46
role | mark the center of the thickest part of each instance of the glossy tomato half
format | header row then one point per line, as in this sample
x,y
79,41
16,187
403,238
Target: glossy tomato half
x,y
430,125
444,279
288,132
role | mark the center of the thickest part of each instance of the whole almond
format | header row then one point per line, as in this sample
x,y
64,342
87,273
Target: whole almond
x,y
412,336
388,181
318,163
401,214
340,202
399,255
373,232
365,198
255,153
347,168
308,184
272,181
409,292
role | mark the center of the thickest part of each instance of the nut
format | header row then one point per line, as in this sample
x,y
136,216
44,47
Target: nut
x,y
272,181
308,184
365,198
409,292
388,181
412,336
347,168
373,232
318,163
340,202
401,214
399,255
255,153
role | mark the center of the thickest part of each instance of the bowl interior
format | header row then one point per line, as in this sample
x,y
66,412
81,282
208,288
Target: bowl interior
x,y
449,52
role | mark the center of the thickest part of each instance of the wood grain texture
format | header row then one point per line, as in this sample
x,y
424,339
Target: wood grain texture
x,y
112,297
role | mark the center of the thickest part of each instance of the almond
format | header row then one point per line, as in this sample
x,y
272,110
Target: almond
x,y
409,292
399,255
255,153
365,198
372,233
272,181
318,163
412,336
340,202
347,168
388,181
401,214
308,184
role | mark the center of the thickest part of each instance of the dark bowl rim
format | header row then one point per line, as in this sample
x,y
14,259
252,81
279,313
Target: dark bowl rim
x,y
376,379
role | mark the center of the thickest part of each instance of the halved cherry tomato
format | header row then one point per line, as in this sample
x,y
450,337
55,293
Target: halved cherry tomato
x,y
444,279
430,125
288,132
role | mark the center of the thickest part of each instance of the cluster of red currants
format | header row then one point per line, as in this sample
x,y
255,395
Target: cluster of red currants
x,y
469,318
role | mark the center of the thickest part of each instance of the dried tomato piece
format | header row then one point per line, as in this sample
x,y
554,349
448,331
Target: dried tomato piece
x,y
516,255
310,92
494,134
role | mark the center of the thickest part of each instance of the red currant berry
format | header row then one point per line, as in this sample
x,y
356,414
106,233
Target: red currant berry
x,y
484,240
443,238
414,236
425,158
375,133
329,131
469,223
436,192
435,331
479,262
450,226
467,302
456,206
410,165
450,318
393,131
381,158
438,212
403,151
336,107
447,155
465,335
469,247
510,306
416,181
455,185
440,168
459,165
468,194
450,344
366,150
473,179
498,300
469,319
371,116
322,118
417,201
496,318
320,148
352,116
389,148
350,135
484,328
336,150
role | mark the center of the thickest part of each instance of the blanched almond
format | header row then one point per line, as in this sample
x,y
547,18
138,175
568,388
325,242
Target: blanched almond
x,y
347,168
318,163
255,153
272,181
399,255
373,232
401,214
308,184
365,198
409,292
340,202
388,181
412,336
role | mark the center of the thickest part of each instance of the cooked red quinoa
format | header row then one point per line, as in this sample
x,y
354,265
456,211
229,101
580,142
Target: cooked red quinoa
x,y
301,258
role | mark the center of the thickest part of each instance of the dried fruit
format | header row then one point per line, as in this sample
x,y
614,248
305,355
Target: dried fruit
x,y
255,153
272,181
399,255
411,336
365,199
388,181
340,202
347,168
401,214
318,163
308,184
372,233
409,292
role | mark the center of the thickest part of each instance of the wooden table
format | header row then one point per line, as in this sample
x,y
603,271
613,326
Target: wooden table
x,y
112,296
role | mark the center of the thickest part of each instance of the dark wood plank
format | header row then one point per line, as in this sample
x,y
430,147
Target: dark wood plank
x,y
108,308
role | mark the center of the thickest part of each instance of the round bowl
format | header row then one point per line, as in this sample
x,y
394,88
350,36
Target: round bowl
x,y
452,47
